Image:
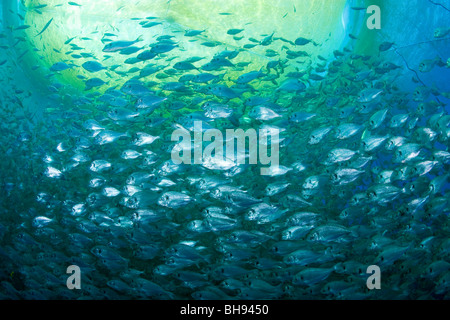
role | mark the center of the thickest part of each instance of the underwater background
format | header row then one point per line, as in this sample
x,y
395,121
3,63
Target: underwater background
x,y
91,92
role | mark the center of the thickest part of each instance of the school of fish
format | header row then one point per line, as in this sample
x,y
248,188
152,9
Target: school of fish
x,y
88,179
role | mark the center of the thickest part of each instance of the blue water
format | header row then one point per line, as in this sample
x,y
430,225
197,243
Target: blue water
x,y
88,178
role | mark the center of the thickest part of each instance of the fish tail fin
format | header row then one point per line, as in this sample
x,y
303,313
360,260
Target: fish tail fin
x,y
261,70
127,134
440,62
434,89
140,38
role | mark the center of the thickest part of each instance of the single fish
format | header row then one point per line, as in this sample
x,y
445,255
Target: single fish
x,y
120,45
45,27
